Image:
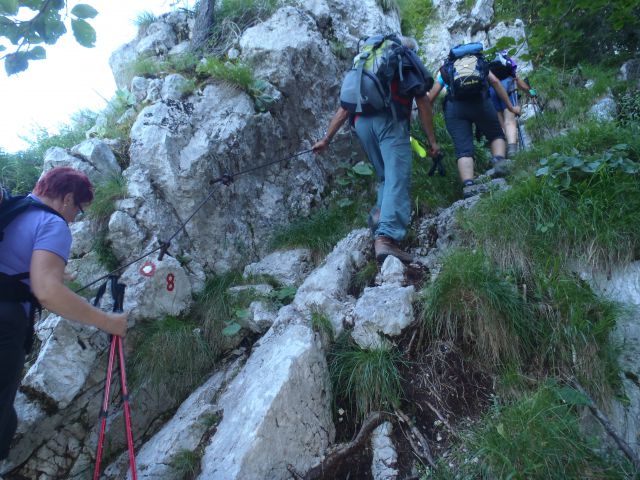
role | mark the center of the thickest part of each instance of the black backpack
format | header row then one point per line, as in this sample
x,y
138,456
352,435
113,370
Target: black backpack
x,y
502,66
11,288
466,71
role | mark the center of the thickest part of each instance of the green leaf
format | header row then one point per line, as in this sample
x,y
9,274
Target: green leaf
x,y
231,329
10,30
53,29
33,4
242,313
84,33
572,397
37,53
9,7
83,10
566,181
345,202
16,62
362,168
542,171
500,429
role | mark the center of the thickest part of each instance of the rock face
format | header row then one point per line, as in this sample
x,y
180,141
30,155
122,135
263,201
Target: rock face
x,y
623,285
276,411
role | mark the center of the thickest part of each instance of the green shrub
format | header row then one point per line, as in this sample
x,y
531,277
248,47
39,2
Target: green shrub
x,y
471,302
415,16
369,379
106,256
536,438
171,352
144,67
321,323
629,107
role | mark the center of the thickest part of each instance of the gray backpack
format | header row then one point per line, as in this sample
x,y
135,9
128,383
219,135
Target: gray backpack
x,y
366,87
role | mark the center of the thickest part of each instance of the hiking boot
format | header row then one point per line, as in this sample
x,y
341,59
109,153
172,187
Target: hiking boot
x,y
373,220
385,246
512,149
500,167
469,189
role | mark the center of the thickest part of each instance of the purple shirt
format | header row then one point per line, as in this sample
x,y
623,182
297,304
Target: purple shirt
x,y
34,229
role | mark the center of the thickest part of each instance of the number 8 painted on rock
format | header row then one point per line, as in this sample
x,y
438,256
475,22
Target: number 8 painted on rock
x,y
170,282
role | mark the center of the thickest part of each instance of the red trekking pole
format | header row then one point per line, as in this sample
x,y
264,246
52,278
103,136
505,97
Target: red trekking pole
x,y
117,291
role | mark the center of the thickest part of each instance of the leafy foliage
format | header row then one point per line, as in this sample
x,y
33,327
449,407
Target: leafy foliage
x,y
46,26
589,31
414,15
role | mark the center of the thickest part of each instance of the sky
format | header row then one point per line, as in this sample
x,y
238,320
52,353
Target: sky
x,y
72,77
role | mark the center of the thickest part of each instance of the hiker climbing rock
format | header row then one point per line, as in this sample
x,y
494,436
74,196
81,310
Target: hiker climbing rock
x,y
505,68
377,96
466,76
34,248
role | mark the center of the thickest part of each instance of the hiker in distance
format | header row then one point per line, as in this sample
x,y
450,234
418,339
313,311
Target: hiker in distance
x,y
466,76
505,68
381,119
34,250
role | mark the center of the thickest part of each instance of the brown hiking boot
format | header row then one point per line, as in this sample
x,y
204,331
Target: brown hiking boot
x,y
385,246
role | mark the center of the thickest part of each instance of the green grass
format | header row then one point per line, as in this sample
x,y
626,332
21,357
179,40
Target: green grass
x,y
474,303
105,195
592,220
321,323
106,256
567,87
415,15
537,437
369,379
187,463
321,231
144,19
171,352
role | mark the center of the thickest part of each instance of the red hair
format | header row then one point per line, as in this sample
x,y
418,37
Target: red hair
x,y
59,181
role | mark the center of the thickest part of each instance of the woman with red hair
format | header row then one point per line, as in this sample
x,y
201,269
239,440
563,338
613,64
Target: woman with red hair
x,y
34,250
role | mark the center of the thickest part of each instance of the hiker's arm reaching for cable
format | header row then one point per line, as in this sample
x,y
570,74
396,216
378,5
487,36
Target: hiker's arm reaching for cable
x,y
425,113
525,87
46,274
502,93
337,121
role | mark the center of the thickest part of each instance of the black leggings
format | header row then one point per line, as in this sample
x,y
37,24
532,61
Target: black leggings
x,y
14,328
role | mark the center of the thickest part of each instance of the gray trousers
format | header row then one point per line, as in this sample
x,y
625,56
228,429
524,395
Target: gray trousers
x,y
387,146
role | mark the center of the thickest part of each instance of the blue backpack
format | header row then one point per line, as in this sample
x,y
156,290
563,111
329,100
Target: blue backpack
x,y
466,71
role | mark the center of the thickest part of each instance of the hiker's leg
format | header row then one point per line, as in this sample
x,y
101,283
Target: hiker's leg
x,y
510,127
486,118
461,132
395,208
501,120
13,328
365,131
465,168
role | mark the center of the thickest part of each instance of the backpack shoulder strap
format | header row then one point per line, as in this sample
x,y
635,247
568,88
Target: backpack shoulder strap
x,y
13,206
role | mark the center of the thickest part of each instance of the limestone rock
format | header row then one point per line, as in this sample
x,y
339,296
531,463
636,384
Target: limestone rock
x,y
385,456
275,412
604,110
386,309
289,267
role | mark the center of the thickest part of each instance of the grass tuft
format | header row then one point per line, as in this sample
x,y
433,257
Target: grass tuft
x,y
470,301
369,379
172,353
187,463
105,196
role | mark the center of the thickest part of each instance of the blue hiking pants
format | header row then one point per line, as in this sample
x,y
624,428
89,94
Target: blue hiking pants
x,y
386,143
